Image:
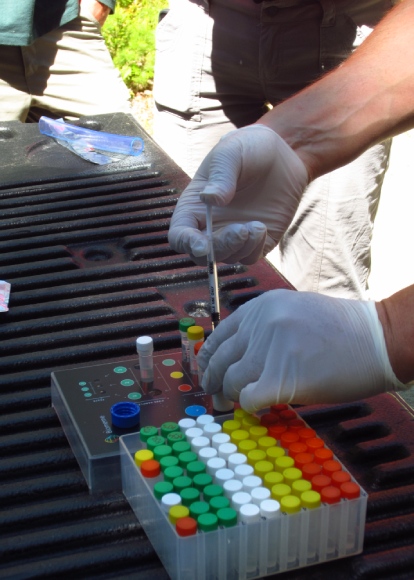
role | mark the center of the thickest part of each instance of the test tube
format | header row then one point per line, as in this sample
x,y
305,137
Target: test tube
x,y
183,326
195,334
249,514
145,349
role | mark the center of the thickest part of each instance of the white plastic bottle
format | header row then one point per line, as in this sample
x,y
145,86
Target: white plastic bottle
x,y
145,349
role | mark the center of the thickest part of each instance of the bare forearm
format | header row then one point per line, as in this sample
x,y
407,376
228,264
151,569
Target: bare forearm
x,y
396,314
368,98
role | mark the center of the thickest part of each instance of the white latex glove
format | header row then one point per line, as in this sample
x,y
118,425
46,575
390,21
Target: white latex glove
x,y
255,181
297,347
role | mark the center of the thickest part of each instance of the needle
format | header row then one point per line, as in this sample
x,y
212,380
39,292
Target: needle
x,y
212,271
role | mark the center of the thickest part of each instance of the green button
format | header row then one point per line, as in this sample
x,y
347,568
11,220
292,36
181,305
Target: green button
x,y
172,472
219,502
207,522
169,427
162,451
195,467
201,480
127,383
176,436
180,447
168,461
134,396
211,491
147,432
186,457
227,517
154,441
189,495
161,488
197,508
119,370
181,483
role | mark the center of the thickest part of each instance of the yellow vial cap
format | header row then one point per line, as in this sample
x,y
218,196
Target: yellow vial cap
x,y
246,446
255,455
301,485
250,421
176,512
238,435
291,474
239,413
290,504
257,431
195,333
266,442
282,463
310,499
280,490
143,455
272,478
231,425
262,467
273,453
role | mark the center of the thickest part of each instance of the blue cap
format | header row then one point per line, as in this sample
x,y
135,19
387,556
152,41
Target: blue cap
x,y
125,415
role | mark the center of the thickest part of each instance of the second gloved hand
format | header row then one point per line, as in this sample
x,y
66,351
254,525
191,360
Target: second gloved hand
x,y
297,347
255,181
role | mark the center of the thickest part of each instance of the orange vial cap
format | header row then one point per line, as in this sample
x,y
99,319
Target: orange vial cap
x,y
350,490
322,455
302,459
150,468
309,470
340,477
315,443
297,447
330,494
276,431
287,438
306,433
186,526
320,481
331,466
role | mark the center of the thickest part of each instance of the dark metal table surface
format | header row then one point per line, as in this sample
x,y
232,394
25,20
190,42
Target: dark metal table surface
x,y
85,249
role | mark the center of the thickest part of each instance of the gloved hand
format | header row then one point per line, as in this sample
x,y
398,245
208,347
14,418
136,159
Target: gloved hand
x,y
297,347
255,181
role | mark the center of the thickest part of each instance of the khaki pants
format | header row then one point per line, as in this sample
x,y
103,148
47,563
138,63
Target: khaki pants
x,y
66,73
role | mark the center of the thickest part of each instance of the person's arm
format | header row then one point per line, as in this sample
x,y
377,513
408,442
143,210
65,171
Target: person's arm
x,y
365,100
99,10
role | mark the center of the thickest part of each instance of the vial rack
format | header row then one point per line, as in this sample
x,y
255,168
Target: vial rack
x,y
245,551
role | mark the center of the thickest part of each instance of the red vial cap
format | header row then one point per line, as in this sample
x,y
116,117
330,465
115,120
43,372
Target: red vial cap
x,y
186,526
296,424
315,443
309,470
328,467
297,447
340,477
330,494
322,455
268,419
320,481
350,490
287,438
302,459
287,415
279,407
276,431
306,433
150,468
197,346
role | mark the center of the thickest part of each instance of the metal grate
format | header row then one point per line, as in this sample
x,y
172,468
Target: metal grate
x,y
86,252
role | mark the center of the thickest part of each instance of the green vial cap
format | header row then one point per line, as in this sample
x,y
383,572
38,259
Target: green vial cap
x,y
185,324
172,472
175,436
161,488
207,522
227,517
153,442
168,461
195,467
162,451
219,502
169,427
186,457
201,480
211,491
180,447
147,432
189,495
181,483
197,508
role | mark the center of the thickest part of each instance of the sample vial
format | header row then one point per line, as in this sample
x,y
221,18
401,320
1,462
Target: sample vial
x,y
145,349
183,326
194,334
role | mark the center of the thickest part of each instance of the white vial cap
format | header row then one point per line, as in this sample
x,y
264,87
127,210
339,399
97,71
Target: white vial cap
x,y
185,424
219,438
269,508
211,429
198,443
259,494
193,432
249,513
206,453
223,475
227,449
240,498
144,344
242,471
204,420
236,459
250,482
214,464
169,500
232,486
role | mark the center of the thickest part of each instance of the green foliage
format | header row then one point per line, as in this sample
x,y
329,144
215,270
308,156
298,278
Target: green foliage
x,y
130,37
